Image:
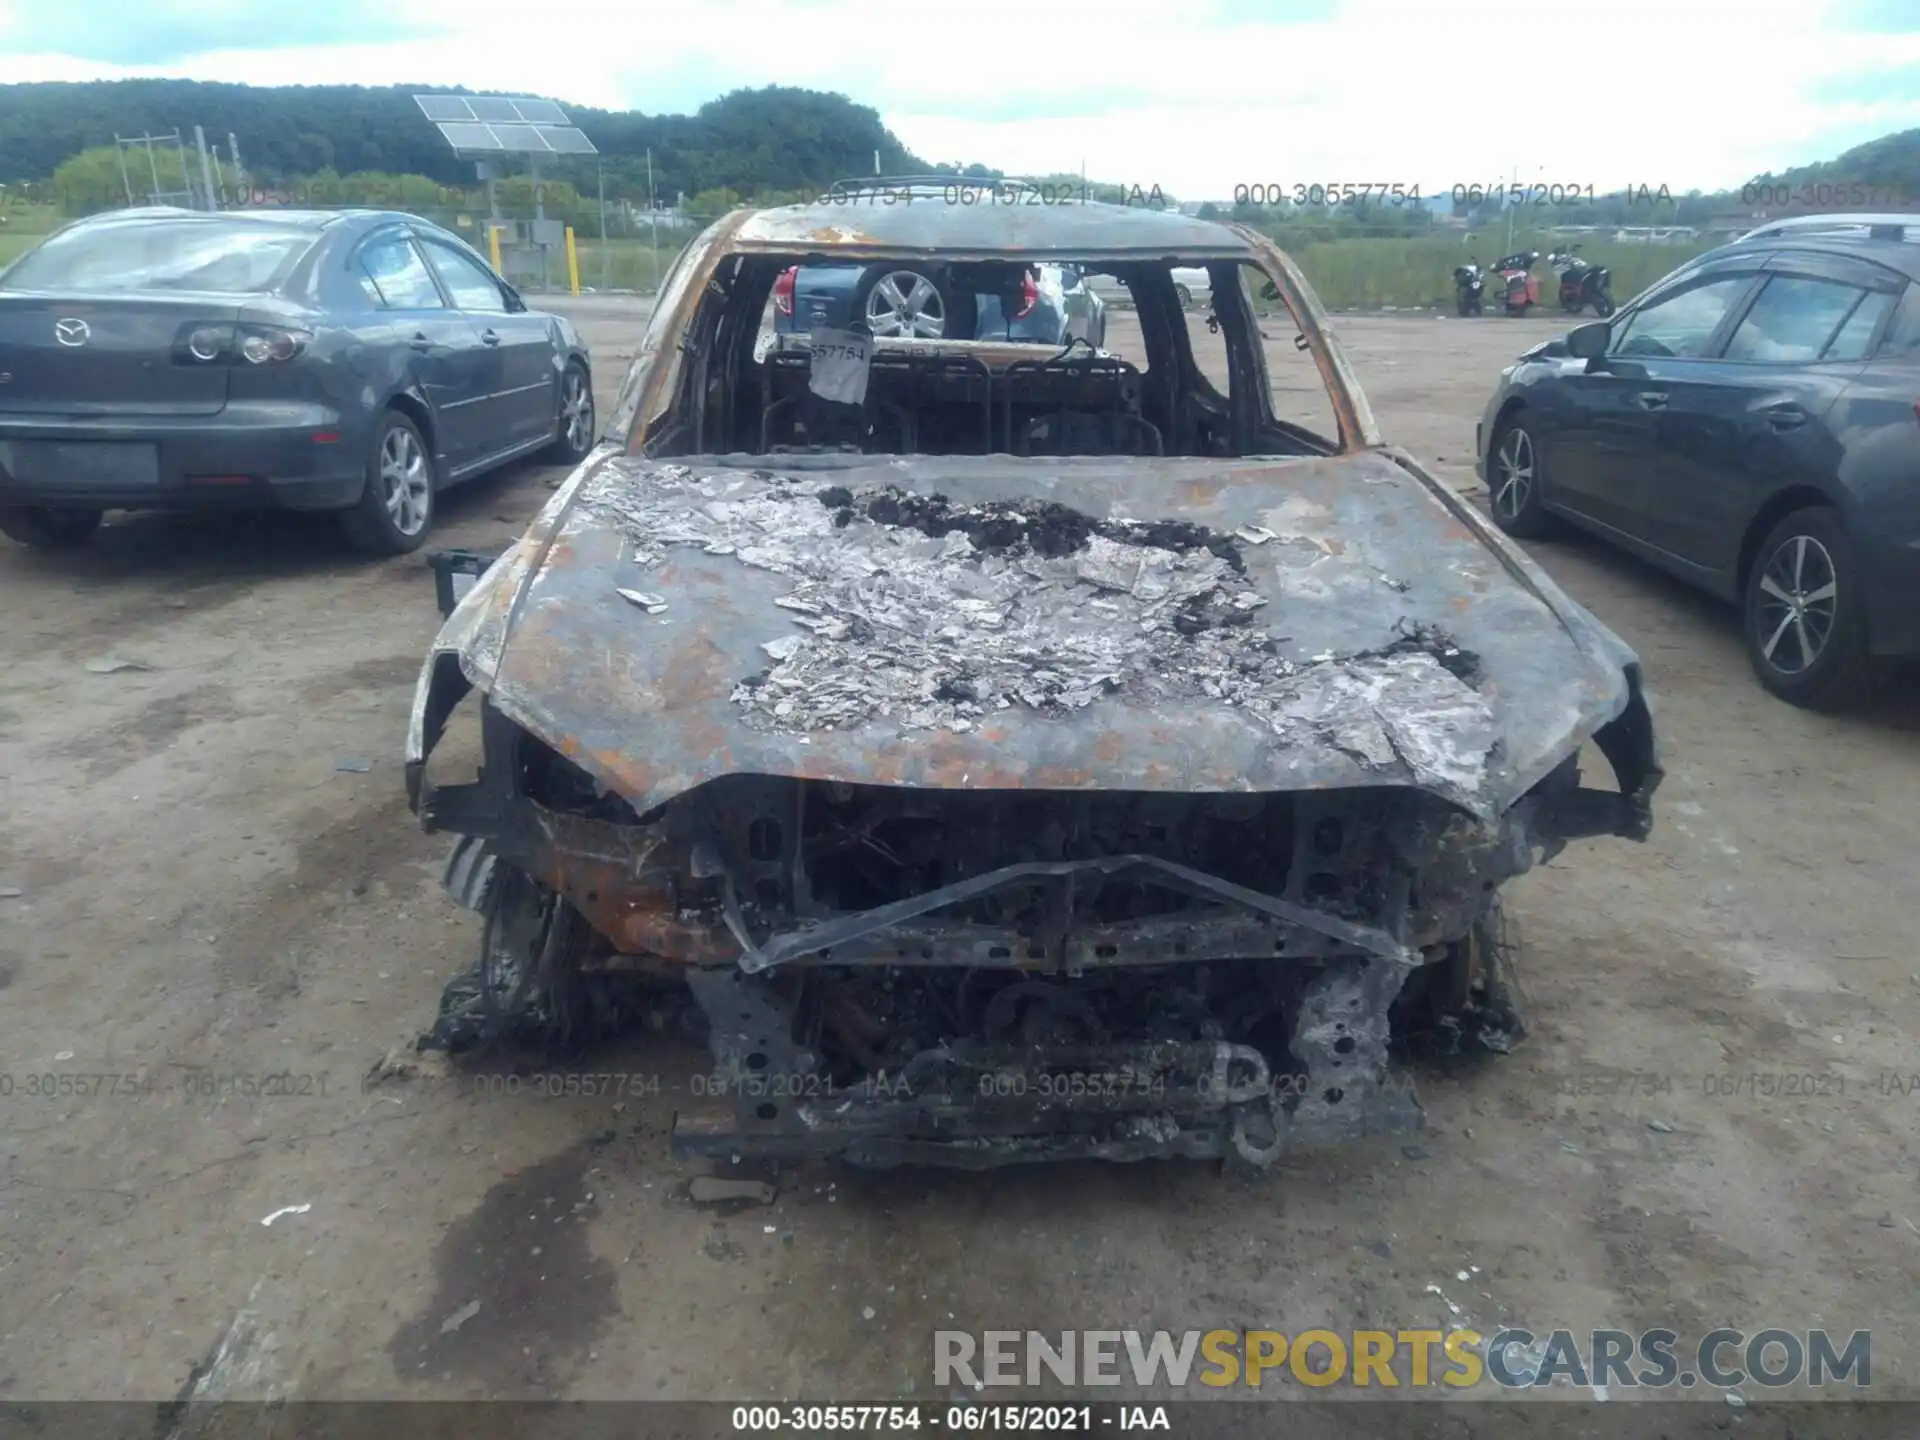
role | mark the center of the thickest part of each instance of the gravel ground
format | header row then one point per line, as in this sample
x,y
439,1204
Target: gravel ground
x,y
210,875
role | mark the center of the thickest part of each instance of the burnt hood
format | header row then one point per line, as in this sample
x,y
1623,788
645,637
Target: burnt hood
x,y
1071,624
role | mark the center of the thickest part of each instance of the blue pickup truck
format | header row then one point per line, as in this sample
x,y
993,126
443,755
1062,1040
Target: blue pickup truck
x,y
1044,304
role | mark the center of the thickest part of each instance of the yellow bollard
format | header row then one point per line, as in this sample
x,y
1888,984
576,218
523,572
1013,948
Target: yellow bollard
x,y
573,263
493,248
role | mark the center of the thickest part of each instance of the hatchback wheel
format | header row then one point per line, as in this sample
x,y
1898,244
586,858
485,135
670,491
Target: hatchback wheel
x,y
903,303
1806,628
396,508
1513,483
49,527
575,437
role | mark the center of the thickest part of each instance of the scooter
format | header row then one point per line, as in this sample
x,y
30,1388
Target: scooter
x,y
1467,285
1582,284
1518,285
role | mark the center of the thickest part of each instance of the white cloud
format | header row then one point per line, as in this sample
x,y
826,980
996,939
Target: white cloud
x,y
1701,93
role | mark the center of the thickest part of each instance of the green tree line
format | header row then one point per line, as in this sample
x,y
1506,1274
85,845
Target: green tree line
x,y
749,141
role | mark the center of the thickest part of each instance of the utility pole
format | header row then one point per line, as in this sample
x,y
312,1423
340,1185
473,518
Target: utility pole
x,y
653,216
539,214
206,168
239,175
601,166
126,180
1510,207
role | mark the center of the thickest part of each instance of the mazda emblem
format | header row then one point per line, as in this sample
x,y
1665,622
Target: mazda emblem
x,y
71,332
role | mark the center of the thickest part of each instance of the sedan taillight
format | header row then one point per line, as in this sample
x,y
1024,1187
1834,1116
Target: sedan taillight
x,y
783,290
1029,296
239,345
207,343
267,346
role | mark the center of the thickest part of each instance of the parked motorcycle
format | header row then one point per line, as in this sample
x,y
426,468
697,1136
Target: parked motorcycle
x,y
1467,285
1519,288
1582,284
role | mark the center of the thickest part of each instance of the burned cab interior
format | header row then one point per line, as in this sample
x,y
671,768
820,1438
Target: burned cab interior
x,y
735,394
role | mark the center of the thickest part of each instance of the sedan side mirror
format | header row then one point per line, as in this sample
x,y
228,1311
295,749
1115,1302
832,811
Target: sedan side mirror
x,y
1589,341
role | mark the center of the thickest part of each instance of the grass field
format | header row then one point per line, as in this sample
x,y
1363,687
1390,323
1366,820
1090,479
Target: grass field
x,y
1348,274
1367,274
25,224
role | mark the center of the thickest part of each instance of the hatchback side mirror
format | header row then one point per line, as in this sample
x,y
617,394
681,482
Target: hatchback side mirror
x,y
1589,341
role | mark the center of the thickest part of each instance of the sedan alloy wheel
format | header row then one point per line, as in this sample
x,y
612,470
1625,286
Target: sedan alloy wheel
x,y
1798,601
1513,474
576,409
406,483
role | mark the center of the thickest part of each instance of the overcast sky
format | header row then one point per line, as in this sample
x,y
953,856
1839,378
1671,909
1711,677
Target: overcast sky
x,y
1196,96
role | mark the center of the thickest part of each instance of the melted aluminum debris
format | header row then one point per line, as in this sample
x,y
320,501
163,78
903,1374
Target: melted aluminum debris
x,y
930,615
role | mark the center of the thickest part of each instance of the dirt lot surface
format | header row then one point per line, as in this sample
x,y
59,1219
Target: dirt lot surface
x,y
210,877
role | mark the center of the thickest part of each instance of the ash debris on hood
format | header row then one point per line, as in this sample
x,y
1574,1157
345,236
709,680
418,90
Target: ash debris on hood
x,y
924,614
1040,526
1416,637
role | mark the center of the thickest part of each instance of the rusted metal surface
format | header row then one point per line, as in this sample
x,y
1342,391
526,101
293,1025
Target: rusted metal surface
x,y
1163,775
982,1102
931,224
645,701
1357,427
643,391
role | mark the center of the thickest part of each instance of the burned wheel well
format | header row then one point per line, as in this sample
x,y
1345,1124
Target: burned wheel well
x,y
549,779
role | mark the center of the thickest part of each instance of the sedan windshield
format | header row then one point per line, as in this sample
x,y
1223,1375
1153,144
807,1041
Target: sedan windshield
x,y
232,257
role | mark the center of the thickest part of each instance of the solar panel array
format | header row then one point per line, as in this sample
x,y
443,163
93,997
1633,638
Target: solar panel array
x,y
502,123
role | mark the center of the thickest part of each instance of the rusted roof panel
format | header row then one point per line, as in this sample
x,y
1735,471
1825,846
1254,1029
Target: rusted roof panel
x,y
1071,231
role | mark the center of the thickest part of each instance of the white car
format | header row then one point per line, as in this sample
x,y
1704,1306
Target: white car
x,y
1193,284
1190,281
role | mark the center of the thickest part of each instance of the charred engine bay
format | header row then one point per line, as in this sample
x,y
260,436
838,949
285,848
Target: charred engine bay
x,y
1112,973
909,609
985,977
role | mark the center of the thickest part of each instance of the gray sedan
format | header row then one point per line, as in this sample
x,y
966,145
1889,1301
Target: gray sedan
x,y
1746,424
352,361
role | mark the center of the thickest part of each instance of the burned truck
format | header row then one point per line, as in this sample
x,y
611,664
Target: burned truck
x,y
1015,755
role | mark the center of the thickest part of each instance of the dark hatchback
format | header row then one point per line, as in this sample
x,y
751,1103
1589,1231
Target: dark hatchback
x,y
354,361
1751,423
1044,304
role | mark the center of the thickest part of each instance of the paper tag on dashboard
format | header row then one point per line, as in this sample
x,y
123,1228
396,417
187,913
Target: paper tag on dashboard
x,y
840,362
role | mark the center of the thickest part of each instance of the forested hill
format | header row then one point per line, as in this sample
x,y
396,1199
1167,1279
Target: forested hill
x,y
750,140
1887,168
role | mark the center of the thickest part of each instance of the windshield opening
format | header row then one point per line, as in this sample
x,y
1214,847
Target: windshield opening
x,y
926,356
